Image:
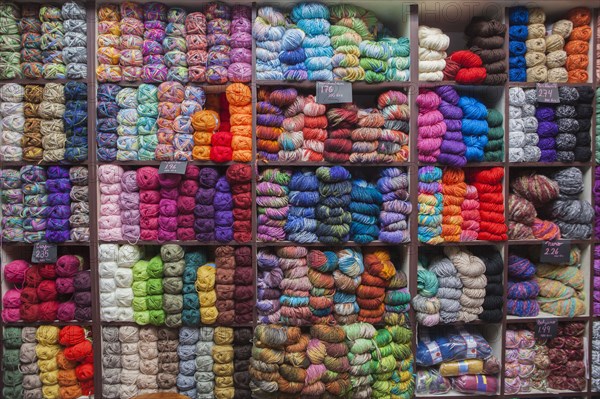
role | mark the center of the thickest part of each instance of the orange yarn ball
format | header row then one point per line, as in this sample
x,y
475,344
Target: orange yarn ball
x,y
205,121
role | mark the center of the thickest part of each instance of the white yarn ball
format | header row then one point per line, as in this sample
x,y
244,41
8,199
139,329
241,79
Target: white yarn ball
x,y
123,277
108,252
433,38
516,125
514,112
124,297
107,269
515,155
129,255
108,285
125,314
109,313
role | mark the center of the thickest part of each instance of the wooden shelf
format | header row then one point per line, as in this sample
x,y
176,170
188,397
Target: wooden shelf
x,y
376,243
356,86
301,164
182,243
58,244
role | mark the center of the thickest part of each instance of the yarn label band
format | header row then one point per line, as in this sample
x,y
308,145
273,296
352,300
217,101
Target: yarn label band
x,y
334,92
547,93
172,167
555,252
546,328
43,253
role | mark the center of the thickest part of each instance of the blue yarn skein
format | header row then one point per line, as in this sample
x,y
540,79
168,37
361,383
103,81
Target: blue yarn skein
x,y
474,127
518,15
302,198
365,207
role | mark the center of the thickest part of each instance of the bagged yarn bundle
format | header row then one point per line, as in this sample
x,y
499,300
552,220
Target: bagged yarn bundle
x,y
430,205
474,127
315,130
431,126
301,224
518,18
452,148
240,70
365,206
109,44
268,32
51,110
453,189
204,211
154,69
393,142
58,188
32,137
313,19
74,51
12,199
12,122
36,212
365,137
218,29
433,44
333,218
174,135
488,183
522,287
106,121
11,42
272,201
486,39
239,98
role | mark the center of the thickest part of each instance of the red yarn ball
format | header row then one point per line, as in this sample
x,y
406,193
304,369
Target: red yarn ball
x,y
71,335
46,291
14,272
79,351
48,311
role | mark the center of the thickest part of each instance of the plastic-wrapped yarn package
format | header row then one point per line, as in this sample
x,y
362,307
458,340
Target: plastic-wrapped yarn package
x,y
75,122
51,110
218,29
58,189
75,39
11,42
12,122
109,44
52,42
155,22
109,222
107,123
127,119
556,363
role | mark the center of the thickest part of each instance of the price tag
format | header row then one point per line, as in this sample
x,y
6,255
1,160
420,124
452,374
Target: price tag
x,y
172,167
555,252
546,328
547,93
334,92
43,253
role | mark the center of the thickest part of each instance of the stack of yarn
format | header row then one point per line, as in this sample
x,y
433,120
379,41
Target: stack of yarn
x,y
542,365
173,128
494,149
494,274
569,217
204,209
132,31
481,220
40,204
242,352
175,46
474,127
240,69
556,52
584,110
127,118
218,29
433,44
11,41
561,287
244,285
49,292
465,67
75,122
109,221
28,362
486,40
224,285
52,43
196,43
393,143
148,291
12,122
11,364
154,15
51,111
239,98
32,137
314,131
190,315
396,207
269,121
272,203
596,282
333,217
595,353
431,126
75,39
323,43
183,141
115,374
106,121
331,360
522,289
168,359
462,359
597,155
357,289
149,362
115,272
108,43
452,147
174,265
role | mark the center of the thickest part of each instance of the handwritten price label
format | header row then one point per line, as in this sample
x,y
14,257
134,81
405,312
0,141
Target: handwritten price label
x,y
43,253
547,93
334,92
172,167
555,252
546,328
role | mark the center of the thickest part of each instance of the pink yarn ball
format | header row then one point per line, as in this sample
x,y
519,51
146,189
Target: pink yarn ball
x,y
14,272
64,285
68,265
66,311
12,299
11,315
